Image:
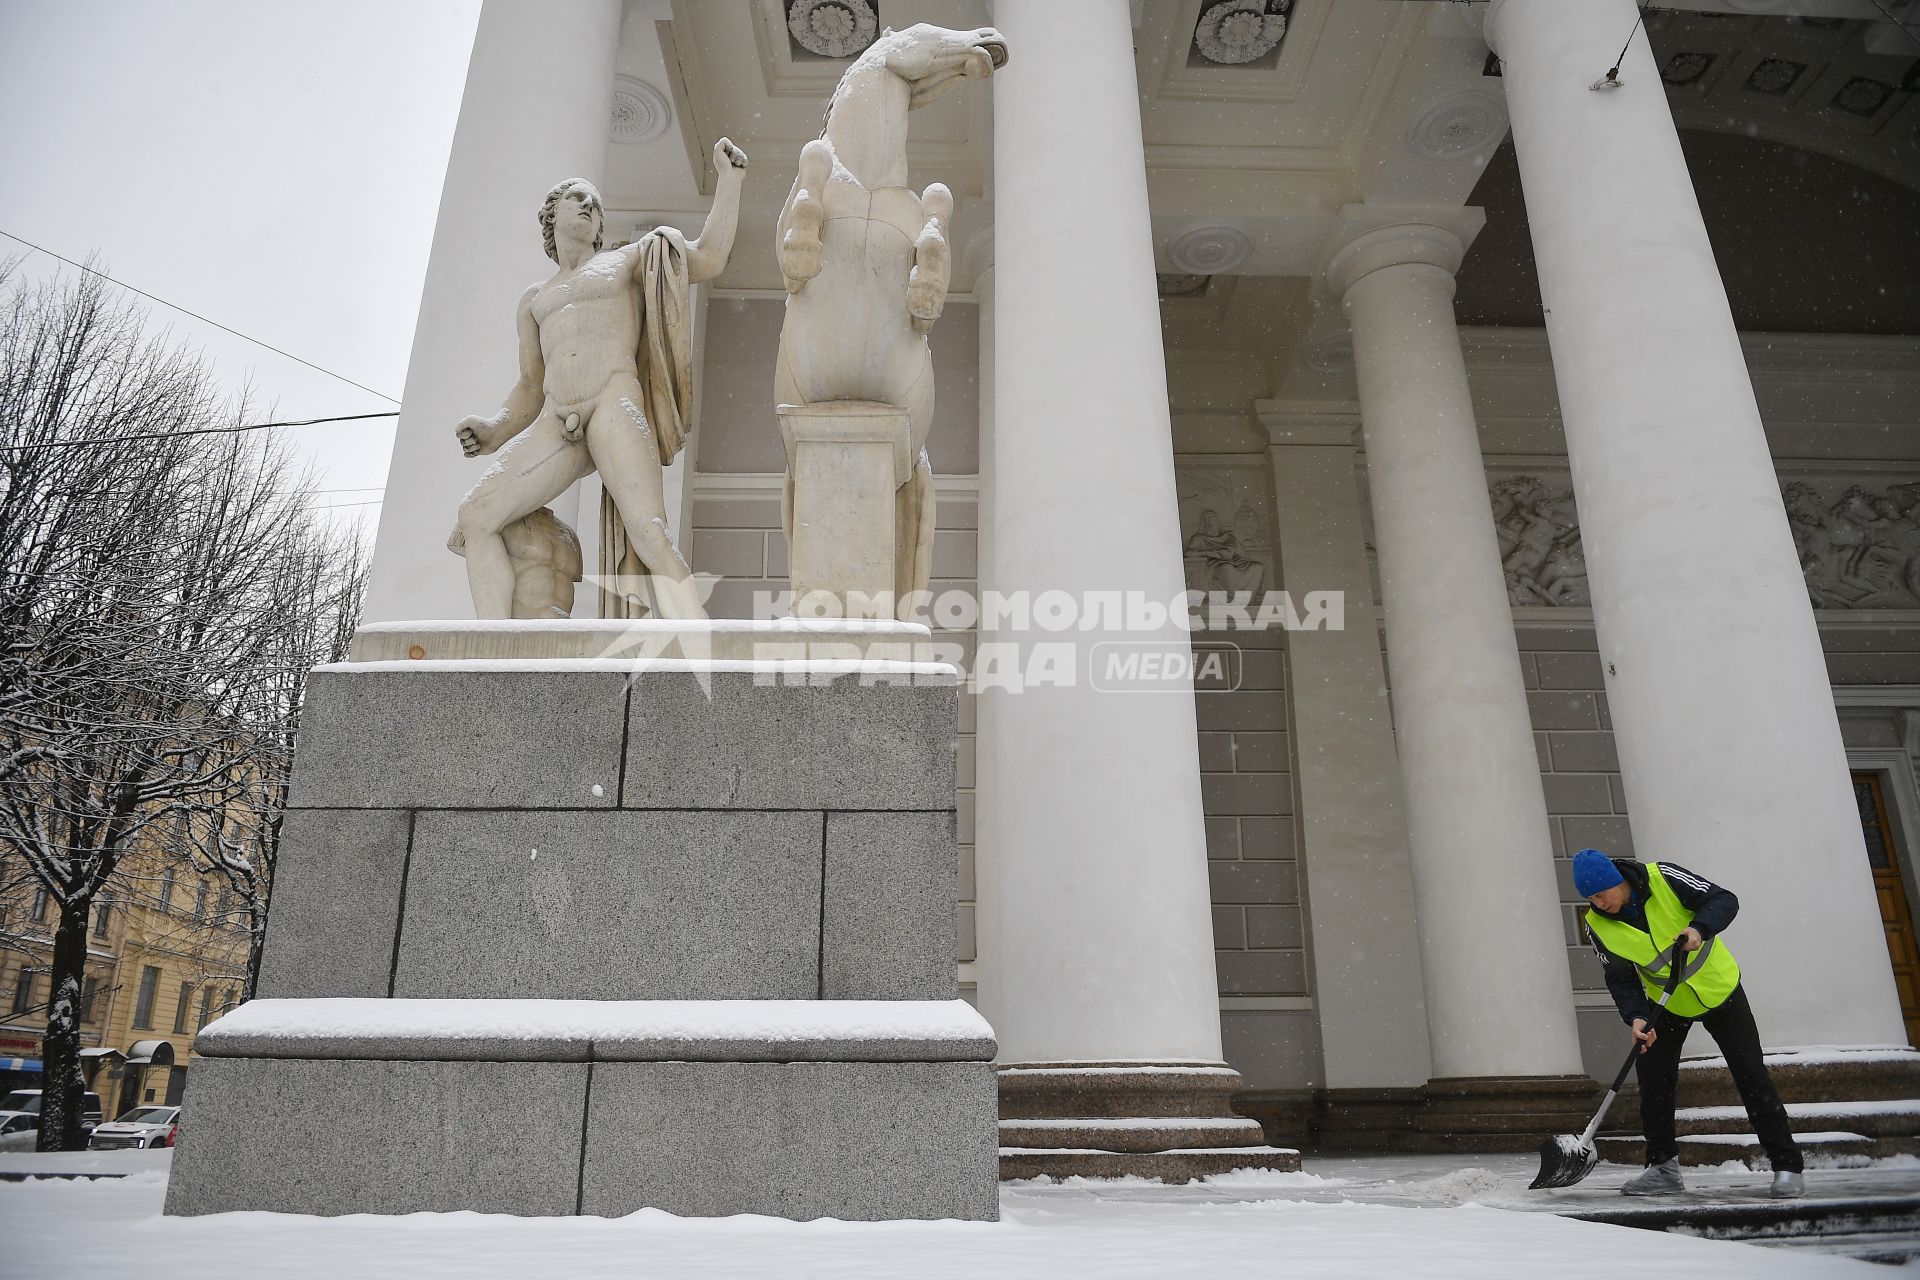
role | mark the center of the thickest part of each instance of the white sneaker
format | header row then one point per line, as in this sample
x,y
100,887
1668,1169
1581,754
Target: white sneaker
x,y
1661,1179
1788,1186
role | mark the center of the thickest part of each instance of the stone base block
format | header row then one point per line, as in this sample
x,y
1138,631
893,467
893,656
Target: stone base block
x,y
859,1110
846,460
852,1140
336,1136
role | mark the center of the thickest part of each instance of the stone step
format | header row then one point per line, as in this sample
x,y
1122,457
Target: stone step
x,y
1810,1075
1874,1228
1896,1118
1716,1148
1132,1134
1167,1166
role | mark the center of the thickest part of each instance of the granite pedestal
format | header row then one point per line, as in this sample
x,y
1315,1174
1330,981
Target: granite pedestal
x,y
587,935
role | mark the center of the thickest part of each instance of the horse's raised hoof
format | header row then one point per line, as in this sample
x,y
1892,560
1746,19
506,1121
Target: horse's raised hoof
x,y
799,259
925,300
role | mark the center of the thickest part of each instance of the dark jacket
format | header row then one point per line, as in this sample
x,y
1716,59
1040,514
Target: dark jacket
x,y
1713,910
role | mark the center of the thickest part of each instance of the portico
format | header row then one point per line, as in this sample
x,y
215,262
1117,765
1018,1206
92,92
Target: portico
x,y
1235,268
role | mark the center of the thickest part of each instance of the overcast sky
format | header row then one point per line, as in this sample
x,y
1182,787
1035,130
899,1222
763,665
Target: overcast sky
x,y
273,166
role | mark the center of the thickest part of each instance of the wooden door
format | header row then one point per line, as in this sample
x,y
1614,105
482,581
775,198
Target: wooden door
x,y
1896,915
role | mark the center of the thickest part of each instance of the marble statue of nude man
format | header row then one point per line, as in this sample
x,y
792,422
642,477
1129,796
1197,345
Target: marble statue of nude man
x,y
605,382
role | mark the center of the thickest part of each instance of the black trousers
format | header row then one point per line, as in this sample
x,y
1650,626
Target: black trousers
x,y
1658,1069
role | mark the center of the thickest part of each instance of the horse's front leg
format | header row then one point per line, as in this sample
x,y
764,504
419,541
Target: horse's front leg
x,y
932,261
805,212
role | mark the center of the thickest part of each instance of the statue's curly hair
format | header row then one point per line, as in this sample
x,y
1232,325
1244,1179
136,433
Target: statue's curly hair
x,y
553,199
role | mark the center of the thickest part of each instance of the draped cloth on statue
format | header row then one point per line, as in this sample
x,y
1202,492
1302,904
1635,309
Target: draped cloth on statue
x,y
665,365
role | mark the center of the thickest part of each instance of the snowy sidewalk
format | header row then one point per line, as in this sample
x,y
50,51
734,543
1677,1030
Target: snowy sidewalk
x,y
1387,1217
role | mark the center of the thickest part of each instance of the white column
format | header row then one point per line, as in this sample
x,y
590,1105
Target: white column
x,y
1499,997
1100,898
1730,750
987,735
1368,994
536,109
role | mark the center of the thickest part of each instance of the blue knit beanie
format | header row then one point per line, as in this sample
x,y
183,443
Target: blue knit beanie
x,y
1594,871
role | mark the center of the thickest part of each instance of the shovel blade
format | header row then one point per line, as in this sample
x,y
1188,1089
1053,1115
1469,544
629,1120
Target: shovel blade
x,y
1564,1160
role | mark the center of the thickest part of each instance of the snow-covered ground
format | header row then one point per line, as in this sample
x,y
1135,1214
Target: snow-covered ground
x,y
1394,1218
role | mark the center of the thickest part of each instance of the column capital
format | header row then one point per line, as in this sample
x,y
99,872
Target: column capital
x,y
1308,423
1397,244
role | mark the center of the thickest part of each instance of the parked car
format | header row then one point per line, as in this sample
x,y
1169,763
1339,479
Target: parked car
x,y
27,1102
19,1130
140,1127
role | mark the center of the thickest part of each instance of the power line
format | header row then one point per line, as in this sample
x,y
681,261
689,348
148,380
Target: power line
x,y
195,431
197,316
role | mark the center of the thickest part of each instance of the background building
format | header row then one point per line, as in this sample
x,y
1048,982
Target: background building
x,y
1638,568
167,954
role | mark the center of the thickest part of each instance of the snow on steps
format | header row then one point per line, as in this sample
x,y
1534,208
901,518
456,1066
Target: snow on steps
x,y
1874,1128
1825,1148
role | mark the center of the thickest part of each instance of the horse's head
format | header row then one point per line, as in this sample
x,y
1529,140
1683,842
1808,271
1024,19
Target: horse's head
x,y
933,59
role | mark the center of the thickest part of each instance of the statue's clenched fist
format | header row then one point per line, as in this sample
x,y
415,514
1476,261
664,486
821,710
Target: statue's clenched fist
x,y
728,156
475,435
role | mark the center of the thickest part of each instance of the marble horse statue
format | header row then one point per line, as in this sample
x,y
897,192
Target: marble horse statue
x,y
866,259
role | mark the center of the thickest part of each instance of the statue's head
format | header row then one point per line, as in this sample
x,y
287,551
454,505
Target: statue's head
x,y
1209,521
571,212
933,59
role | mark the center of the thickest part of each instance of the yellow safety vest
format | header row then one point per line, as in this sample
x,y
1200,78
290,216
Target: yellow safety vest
x,y
1708,975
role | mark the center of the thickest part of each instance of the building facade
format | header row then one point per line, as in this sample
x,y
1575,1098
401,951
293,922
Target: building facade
x,y
1589,394
166,954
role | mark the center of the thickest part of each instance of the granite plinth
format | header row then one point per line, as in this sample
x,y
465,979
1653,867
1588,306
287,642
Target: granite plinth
x,y
700,914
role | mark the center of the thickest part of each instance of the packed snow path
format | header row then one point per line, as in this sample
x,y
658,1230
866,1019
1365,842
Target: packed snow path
x,y
1302,1224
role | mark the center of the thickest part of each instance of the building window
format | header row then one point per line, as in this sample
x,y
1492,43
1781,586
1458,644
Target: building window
x,y
166,890
180,1010
206,1007
86,1000
200,904
23,991
143,1007
39,906
102,914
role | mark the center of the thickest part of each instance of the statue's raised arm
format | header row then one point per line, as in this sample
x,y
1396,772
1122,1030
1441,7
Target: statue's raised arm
x,y
707,256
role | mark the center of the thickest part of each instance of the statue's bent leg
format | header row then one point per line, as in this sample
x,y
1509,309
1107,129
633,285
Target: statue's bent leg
x,y
532,470
914,509
628,456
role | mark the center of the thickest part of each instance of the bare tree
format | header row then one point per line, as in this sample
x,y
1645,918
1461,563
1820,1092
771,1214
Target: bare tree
x,y
147,565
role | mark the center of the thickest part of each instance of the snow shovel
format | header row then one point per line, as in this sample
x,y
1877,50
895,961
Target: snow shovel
x,y
1566,1159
